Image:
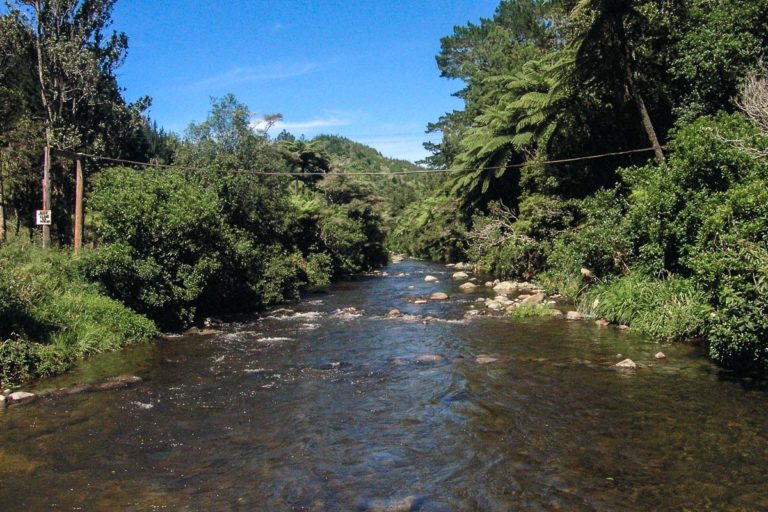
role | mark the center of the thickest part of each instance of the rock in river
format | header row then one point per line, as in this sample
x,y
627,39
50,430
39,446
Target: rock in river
x,y
394,313
627,363
21,397
506,287
468,287
602,323
537,298
430,279
429,358
660,355
573,315
460,275
485,359
439,296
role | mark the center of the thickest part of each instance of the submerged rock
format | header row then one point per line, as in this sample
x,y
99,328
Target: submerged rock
x,y
429,358
439,296
121,381
407,504
627,364
460,276
485,359
602,323
21,397
430,279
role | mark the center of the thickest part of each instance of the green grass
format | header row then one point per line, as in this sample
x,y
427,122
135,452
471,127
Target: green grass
x,y
50,316
530,311
664,309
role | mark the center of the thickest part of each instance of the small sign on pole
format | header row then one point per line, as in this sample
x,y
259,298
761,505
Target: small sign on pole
x,y
43,217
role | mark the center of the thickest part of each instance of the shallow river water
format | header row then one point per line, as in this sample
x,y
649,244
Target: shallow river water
x,y
324,409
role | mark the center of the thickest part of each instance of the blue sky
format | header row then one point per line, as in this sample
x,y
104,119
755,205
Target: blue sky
x,y
362,69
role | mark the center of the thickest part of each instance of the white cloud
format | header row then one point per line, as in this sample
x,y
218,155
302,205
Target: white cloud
x,y
308,127
240,75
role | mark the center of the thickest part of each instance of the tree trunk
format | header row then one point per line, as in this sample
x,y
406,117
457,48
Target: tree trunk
x,y
644,116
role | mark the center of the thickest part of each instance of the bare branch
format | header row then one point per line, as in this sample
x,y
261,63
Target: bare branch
x,y
754,99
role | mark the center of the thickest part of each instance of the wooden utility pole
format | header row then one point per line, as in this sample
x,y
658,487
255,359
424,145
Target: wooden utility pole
x,y
78,203
47,194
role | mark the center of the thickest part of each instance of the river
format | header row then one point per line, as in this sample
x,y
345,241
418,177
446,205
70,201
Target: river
x,y
325,408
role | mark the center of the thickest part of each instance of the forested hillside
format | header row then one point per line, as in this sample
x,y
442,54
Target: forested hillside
x,y
671,240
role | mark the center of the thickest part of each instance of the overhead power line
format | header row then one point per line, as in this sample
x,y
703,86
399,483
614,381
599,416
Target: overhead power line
x,y
72,154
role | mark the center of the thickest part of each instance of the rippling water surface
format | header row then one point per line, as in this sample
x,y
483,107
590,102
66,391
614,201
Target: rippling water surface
x,y
322,407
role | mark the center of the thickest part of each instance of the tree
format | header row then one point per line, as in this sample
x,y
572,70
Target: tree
x,y
603,46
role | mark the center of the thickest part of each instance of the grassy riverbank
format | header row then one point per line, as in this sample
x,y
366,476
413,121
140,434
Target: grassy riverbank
x,y
50,315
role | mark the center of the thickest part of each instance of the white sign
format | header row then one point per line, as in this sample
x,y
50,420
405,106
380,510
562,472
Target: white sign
x,y
43,217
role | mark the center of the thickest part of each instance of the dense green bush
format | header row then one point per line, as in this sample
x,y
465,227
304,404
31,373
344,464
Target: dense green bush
x,y
598,244
163,239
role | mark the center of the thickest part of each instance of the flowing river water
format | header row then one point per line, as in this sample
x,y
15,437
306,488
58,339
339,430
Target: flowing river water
x,y
326,408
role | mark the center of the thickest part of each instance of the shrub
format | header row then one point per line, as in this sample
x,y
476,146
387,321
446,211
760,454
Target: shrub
x,y
319,269
165,242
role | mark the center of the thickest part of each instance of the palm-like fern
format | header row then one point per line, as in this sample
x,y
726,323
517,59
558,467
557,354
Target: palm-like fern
x,y
520,124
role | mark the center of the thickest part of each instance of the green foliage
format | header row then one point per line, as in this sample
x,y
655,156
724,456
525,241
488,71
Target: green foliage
x,y
319,269
43,296
164,238
350,228
530,311
665,309
598,244
434,228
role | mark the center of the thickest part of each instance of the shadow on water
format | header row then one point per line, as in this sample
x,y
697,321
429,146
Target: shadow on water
x,y
329,404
